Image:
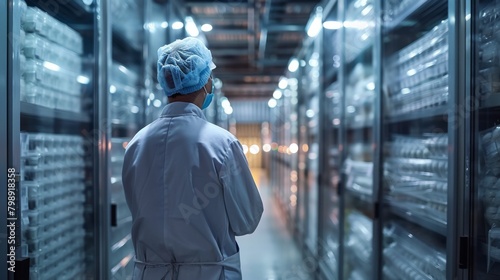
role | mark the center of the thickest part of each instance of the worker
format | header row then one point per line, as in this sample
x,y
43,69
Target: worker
x,y
187,181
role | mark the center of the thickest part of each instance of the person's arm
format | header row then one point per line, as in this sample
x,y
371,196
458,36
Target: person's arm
x,y
242,199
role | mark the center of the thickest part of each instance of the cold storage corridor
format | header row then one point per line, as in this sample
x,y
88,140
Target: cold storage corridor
x,y
370,127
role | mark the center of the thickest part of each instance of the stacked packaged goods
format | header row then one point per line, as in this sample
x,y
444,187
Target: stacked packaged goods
x,y
418,74
52,174
51,63
125,100
407,257
488,50
416,176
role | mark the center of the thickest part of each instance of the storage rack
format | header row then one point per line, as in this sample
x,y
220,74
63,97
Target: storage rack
x,y
393,79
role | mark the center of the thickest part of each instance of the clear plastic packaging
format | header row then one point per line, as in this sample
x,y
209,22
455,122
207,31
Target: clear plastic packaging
x,y
410,258
37,47
420,73
47,75
37,21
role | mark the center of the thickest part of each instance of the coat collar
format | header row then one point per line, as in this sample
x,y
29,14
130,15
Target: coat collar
x,y
182,108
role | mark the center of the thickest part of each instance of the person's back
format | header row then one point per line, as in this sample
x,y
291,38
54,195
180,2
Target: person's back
x,y
190,192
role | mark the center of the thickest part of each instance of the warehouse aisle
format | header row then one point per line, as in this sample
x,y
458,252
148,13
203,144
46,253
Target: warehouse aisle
x,y
270,252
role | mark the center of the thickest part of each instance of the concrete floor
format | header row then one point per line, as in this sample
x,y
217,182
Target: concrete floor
x,y
270,253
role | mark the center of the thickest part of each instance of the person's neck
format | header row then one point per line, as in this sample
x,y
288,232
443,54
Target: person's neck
x,y
196,98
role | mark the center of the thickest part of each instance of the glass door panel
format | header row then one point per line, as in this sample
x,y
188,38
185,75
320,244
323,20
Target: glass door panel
x,y
127,117
359,98
54,68
310,141
415,139
486,128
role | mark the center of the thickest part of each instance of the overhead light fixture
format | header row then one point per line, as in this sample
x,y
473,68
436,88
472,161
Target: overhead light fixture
x,y
294,65
225,103
332,25
277,94
272,103
283,83
177,25
164,24
314,26
191,27
206,27
228,110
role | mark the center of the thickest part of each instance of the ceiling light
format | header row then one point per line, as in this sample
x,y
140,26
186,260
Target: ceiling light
x,y
254,149
164,24
225,103
314,27
266,148
177,25
294,65
228,110
277,94
191,27
283,83
206,27
332,25
272,103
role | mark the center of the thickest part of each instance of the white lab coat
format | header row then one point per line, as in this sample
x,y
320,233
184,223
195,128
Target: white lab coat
x,y
190,192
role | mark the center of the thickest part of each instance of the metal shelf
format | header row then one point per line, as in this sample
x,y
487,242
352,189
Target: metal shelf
x,y
29,109
426,223
66,10
411,13
419,114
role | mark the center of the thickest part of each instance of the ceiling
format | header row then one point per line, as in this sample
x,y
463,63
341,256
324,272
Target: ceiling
x,y
252,40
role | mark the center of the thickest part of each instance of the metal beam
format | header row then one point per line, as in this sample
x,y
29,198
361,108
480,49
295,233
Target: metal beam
x,y
228,31
251,30
285,28
229,52
253,88
214,4
263,30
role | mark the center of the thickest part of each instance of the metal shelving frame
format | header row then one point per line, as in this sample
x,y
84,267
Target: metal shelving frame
x,y
459,129
456,136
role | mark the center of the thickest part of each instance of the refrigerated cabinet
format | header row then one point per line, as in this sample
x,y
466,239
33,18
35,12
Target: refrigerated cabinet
x,y
416,139
484,131
358,78
284,151
50,133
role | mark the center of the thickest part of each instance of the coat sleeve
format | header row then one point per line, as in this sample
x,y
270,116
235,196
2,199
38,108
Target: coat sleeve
x,y
242,199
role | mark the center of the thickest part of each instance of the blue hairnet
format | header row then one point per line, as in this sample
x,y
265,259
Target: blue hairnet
x,y
184,66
